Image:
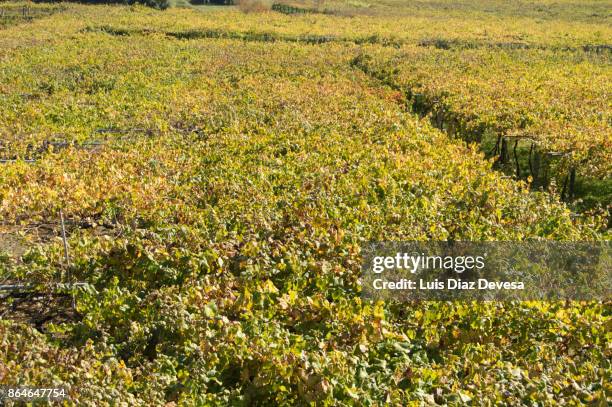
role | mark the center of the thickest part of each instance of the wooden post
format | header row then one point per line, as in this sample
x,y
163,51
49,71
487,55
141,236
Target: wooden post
x,y
503,155
572,182
518,168
530,164
66,255
496,148
564,190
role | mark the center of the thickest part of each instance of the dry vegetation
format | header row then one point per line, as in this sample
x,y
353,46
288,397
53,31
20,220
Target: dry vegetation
x,y
254,6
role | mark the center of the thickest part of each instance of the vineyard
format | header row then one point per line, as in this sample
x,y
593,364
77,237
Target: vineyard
x,y
14,13
184,194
